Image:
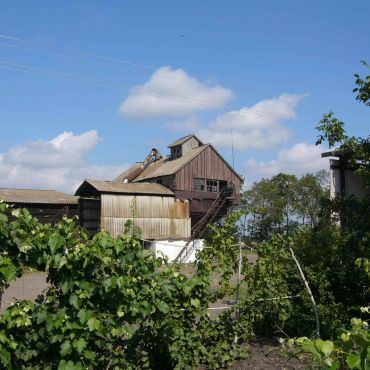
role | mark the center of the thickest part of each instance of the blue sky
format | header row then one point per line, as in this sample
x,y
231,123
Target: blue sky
x,y
265,71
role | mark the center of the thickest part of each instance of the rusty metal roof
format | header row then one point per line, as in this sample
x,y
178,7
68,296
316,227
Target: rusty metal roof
x,y
183,140
166,166
130,188
36,196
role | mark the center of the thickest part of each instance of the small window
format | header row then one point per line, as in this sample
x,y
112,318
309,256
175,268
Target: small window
x,y
176,152
212,186
199,185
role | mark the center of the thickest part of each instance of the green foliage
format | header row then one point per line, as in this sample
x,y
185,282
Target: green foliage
x,y
334,249
273,277
350,350
363,87
332,130
112,304
283,203
328,255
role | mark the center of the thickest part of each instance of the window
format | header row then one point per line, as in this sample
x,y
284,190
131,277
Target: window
x,y
199,185
176,152
212,186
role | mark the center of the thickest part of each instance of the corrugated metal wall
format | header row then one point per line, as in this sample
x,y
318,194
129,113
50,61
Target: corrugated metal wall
x,y
157,217
206,165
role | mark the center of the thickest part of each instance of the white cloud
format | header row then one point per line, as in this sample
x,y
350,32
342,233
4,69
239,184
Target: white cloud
x,y
301,158
256,127
172,92
58,163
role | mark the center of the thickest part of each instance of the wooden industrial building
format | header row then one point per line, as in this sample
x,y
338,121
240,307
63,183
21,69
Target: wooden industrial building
x,y
193,171
171,198
148,207
48,206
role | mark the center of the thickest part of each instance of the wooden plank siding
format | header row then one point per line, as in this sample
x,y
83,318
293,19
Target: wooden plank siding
x,y
157,217
89,214
47,213
207,165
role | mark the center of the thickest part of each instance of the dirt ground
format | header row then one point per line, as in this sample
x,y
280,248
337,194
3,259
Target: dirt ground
x,y
265,355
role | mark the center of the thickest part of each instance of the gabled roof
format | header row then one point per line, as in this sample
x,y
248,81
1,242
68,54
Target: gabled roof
x,y
130,173
166,166
227,164
109,187
183,140
36,196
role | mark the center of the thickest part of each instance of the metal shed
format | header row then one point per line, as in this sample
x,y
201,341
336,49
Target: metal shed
x,y
48,206
149,206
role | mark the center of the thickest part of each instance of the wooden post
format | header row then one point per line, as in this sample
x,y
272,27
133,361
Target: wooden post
x,y
238,286
307,287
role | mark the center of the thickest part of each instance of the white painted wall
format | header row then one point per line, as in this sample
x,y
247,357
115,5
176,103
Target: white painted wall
x,y
171,248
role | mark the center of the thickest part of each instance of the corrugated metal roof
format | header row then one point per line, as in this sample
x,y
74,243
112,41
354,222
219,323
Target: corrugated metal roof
x,y
130,188
166,166
130,173
36,196
183,140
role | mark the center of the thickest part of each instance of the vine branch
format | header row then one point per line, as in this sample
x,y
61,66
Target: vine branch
x,y
307,287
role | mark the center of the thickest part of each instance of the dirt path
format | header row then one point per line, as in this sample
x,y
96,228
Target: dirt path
x,y
28,286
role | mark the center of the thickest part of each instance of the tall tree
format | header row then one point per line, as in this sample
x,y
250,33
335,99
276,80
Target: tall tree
x,y
310,191
283,203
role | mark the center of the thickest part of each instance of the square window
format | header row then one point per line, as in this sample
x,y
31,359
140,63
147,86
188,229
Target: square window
x,y
199,185
212,186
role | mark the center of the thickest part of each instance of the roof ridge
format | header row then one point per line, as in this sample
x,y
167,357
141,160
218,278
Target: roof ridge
x,y
33,189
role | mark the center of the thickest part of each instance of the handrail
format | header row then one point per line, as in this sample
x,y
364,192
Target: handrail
x,y
199,228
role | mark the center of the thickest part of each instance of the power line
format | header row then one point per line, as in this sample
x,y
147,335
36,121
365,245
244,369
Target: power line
x,y
85,54
50,73
48,45
56,55
114,60
61,75
97,56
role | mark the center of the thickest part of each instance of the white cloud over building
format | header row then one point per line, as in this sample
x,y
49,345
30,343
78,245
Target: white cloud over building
x,y
257,127
301,158
57,164
170,93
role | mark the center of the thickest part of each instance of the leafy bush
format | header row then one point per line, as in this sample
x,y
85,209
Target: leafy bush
x,y
350,350
111,304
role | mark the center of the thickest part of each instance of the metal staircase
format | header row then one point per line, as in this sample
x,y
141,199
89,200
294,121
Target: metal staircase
x,y
200,227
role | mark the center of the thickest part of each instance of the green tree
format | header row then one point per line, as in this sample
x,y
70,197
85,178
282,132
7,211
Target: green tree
x,y
285,196
264,214
335,255
283,203
363,87
311,189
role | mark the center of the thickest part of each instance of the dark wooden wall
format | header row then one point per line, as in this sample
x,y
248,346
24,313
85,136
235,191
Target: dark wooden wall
x,y
209,165
90,214
48,213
